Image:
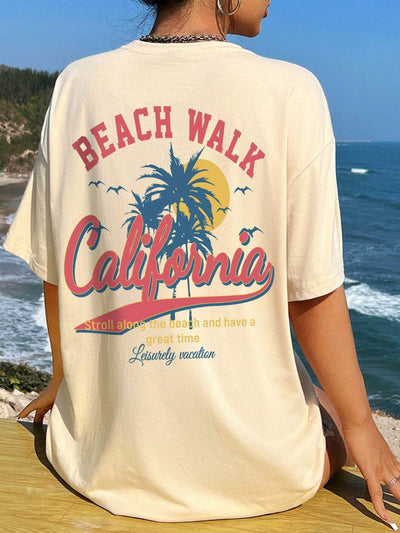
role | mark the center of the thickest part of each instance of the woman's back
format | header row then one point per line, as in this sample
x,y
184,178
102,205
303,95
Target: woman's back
x,y
183,185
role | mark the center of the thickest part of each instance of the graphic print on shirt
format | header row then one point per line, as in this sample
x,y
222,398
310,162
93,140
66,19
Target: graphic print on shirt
x,y
169,241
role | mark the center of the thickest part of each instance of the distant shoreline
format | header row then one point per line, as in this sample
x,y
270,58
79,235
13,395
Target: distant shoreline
x,y
12,181
7,178
366,141
354,141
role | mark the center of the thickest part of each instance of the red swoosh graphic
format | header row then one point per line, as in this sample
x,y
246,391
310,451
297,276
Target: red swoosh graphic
x,y
144,311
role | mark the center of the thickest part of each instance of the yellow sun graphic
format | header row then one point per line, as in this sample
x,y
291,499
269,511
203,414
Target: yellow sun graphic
x,y
218,185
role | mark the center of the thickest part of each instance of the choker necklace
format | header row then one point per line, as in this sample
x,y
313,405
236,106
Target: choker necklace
x,y
180,38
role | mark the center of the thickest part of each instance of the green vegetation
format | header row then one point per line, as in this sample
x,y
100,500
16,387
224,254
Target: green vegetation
x,y
22,377
24,97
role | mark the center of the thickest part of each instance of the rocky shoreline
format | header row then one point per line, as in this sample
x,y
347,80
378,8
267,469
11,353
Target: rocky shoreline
x,y
12,403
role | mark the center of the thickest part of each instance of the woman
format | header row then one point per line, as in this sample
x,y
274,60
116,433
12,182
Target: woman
x,y
182,213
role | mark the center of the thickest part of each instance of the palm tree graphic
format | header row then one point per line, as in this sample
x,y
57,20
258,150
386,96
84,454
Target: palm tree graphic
x,y
149,209
184,191
185,231
181,187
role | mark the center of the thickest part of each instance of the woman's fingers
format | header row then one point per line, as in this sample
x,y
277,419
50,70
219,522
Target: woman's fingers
x,y
32,406
377,464
28,409
43,403
376,493
39,416
393,484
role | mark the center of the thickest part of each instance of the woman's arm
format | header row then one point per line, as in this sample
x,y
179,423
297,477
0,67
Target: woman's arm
x,y
322,327
53,326
45,401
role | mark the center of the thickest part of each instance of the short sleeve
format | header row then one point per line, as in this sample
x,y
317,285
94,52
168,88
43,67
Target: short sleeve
x,y
30,236
314,233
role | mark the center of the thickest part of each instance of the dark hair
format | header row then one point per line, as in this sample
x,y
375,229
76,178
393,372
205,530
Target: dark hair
x,y
156,4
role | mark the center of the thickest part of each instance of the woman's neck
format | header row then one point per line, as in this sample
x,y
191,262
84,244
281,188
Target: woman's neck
x,y
196,20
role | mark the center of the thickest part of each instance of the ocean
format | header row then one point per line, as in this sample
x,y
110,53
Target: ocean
x,y
369,189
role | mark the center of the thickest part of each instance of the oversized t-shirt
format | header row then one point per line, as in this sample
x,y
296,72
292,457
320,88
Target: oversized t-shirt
x,y
182,195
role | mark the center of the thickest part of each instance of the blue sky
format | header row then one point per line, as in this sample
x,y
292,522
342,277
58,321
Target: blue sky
x,y
353,47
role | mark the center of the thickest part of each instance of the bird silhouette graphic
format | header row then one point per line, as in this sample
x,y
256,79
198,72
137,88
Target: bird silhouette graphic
x,y
95,235
100,228
224,209
97,183
246,234
242,189
116,189
251,231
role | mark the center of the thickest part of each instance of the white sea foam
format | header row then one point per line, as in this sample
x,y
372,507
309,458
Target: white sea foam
x,y
39,317
391,399
10,218
23,335
377,396
359,170
371,302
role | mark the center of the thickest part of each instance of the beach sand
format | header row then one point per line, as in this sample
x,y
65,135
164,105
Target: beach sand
x,y
12,187
390,429
7,178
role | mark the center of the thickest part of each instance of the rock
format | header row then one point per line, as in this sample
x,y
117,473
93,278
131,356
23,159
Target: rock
x,y
12,403
390,429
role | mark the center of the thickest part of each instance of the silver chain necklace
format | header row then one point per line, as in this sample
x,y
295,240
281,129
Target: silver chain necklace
x,y
180,38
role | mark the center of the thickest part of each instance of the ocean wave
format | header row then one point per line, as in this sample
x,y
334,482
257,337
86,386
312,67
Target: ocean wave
x,y
39,316
13,270
359,170
349,280
377,396
371,302
10,218
387,198
395,398
23,335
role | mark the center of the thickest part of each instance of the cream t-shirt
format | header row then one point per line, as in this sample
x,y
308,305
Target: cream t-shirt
x,y
182,195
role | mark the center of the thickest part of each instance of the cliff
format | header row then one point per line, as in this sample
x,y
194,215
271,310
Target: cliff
x,y
24,97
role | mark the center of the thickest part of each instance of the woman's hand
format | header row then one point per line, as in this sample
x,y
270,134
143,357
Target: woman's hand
x,y
43,403
323,328
375,460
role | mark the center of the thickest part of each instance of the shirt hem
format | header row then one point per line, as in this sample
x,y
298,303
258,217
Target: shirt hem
x,y
202,517
307,293
26,255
